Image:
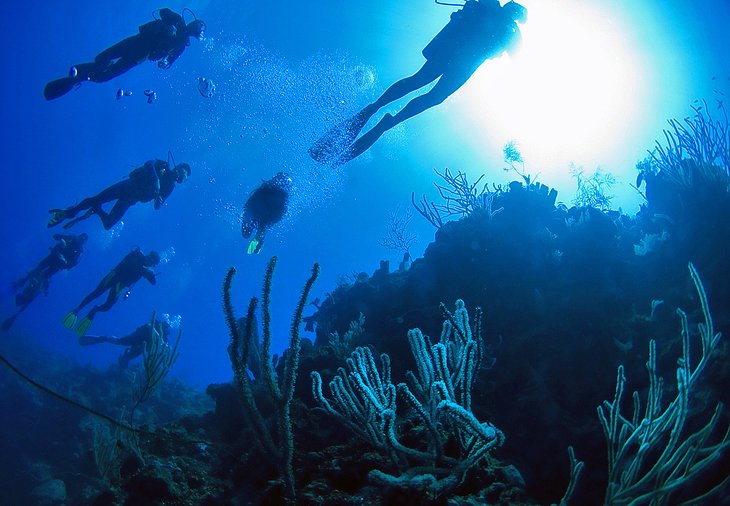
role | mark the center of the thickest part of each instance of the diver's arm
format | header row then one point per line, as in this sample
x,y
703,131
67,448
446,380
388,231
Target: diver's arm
x,y
149,275
162,196
63,238
172,55
170,17
165,190
156,182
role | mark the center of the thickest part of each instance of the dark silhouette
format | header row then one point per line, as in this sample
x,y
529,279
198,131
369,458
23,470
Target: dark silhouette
x,y
266,206
131,269
135,342
63,255
479,31
153,181
162,40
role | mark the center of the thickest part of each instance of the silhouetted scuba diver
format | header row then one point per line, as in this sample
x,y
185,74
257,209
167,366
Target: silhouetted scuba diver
x,y
135,342
63,255
479,31
266,206
153,181
162,40
131,269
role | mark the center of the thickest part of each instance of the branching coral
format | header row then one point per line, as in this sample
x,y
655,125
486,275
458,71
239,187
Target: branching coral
x,y
651,457
438,395
279,447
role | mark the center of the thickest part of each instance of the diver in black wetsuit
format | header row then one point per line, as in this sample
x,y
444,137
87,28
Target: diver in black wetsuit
x,y
153,181
266,206
135,342
162,40
131,269
64,255
480,30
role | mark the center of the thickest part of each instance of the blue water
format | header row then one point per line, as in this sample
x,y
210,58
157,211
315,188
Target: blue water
x,y
593,88
285,72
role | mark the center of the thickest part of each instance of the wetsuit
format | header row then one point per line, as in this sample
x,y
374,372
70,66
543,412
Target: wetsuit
x,y
475,33
266,206
135,341
162,40
478,31
131,269
154,180
64,255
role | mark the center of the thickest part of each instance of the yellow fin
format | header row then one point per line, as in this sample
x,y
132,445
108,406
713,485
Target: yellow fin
x,y
69,320
253,247
84,325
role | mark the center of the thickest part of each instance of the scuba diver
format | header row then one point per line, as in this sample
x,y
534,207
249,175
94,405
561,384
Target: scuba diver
x,y
266,206
152,181
162,40
480,30
131,269
135,342
63,255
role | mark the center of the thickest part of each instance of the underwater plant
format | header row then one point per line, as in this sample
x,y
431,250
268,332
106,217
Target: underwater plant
x,y
342,344
461,198
158,358
280,389
696,153
398,237
593,189
438,397
513,158
651,458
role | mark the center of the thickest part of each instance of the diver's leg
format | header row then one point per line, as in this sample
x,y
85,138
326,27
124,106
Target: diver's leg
x,y
129,354
36,271
8,322
426,74
260,236
92,205
20,282
344,134
84,70
59,87
112,217
114,192
119,58
89,340
116,69
104,285
108,64
440,92
118,50
247,226
446,85
49,264
111,299
367,139
450,81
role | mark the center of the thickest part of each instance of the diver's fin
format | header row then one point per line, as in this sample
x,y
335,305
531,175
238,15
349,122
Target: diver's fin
x,y
338,138
57,216
59,87
83,326
9,322
254,246
71,223
89,340
69,320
